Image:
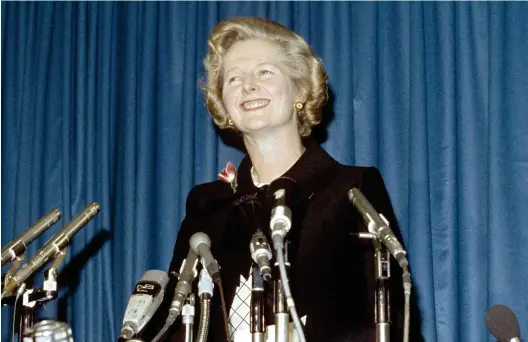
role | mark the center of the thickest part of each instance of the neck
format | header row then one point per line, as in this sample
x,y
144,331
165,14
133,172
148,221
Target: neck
x,y
273,154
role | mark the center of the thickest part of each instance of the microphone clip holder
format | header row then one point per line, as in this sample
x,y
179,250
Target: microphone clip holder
x,y
31,300
34,298
382,294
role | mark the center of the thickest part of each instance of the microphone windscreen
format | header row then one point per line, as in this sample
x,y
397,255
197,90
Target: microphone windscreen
x,y
197,239
502,323
49,330
158,276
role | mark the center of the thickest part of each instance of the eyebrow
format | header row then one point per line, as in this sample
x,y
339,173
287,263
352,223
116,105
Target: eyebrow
x,y
258,65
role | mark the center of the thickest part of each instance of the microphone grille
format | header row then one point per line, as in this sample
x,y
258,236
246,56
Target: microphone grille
x,y
157,276
48,331
197,239
502,323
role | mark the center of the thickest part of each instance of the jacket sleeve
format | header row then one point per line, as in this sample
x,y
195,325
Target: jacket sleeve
x,y
188,227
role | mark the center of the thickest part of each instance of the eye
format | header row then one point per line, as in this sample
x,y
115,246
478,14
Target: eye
x,y
264,72
233,79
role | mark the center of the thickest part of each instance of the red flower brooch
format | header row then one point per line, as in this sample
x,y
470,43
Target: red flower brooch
x,y
229,175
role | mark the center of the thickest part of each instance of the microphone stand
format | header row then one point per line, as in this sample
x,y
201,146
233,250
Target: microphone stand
x,y
32,297
280,307
188,317
382,293
256,318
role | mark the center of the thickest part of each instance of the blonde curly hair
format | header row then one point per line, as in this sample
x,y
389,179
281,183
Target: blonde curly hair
x,y
302,66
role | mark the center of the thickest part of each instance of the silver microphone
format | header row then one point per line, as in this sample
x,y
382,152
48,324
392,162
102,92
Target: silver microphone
x,y
48,331
18,246
261,254
282,192
378,225
51,248
201,244
145,300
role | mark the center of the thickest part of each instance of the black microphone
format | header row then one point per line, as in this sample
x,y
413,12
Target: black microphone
x,y
200,244
282,193
51,248
378,225
257,321
503,324
188,273
261,254
145,300
18,246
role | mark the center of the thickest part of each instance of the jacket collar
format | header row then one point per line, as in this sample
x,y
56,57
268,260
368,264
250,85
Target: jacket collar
x,y
308,171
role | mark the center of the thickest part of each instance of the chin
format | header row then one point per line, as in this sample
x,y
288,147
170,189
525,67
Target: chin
x,y
256,124
256,128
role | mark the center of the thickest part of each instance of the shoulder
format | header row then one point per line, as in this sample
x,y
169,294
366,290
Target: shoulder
x,y
343,178
203,196
356,176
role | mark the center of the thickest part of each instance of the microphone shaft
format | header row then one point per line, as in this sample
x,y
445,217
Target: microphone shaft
x,y
378,225
256,318
184,285
209,261
282,316
18,246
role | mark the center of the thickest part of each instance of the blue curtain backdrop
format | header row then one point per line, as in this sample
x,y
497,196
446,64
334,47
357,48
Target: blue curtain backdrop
x,y
101,102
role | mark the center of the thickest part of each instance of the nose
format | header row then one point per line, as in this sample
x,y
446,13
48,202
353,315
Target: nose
x,y
250,85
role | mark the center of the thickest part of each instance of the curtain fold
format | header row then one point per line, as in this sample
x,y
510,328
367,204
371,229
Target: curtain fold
x,y
101,102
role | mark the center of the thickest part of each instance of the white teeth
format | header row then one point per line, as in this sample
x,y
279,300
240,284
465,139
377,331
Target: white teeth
x,y
255,104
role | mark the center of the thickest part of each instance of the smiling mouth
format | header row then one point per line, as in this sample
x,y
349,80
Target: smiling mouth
x,y
255,104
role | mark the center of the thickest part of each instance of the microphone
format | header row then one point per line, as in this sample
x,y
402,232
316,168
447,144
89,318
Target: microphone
x,y
145,300
51,248
282,192
257,318
48,330
188,273
18,246
378,225
261,254
200,244
503,324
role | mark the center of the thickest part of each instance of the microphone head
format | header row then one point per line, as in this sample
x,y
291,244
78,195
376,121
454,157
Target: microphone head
x,y
502,323
289,187
197,239
49,330
158,276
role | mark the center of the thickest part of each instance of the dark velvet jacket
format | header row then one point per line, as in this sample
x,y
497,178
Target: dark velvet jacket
x,y
332,270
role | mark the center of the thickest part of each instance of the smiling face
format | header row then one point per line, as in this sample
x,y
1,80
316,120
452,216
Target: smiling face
x,y
257,94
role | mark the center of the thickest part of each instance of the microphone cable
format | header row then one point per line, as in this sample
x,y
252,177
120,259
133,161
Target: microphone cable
x,y
407,306
224,309
20,292
205,292
279,248
168,323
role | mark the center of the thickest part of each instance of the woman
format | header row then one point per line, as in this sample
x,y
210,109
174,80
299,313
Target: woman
x,y
265,84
